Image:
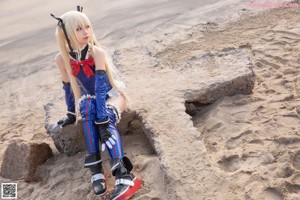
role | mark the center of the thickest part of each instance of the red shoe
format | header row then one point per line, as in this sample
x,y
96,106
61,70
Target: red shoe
x,y
126,186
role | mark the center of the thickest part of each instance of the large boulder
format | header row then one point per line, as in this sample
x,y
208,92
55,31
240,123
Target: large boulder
x,y
22,158
70,139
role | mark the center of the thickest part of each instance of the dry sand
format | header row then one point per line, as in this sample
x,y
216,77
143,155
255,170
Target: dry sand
x,y
250,143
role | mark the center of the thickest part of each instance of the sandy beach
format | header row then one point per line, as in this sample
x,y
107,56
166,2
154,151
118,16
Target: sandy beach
x,y
240,147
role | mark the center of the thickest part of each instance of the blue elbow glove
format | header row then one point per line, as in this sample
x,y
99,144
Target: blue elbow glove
x,y
70,102
102,120
100,93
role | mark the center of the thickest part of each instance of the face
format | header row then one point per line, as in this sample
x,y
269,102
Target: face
x,y
83,34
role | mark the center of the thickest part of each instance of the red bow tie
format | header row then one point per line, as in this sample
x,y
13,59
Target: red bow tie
x,y
86,64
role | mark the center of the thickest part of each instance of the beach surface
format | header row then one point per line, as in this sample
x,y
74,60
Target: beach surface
x,y
244,146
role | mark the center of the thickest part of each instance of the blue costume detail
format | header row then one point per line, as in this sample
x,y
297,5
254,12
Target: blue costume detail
x,y
87,85
93,110
101,93
117,150
88,113
69,97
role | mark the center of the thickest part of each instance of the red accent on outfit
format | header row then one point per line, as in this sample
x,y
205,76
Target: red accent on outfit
x,y
86,64
87,125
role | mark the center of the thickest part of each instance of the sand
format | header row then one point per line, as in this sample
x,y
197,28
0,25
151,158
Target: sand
x,y
249,143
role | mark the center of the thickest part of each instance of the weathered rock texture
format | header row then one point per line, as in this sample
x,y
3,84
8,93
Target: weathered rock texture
x,y
70,139
199,78
21,160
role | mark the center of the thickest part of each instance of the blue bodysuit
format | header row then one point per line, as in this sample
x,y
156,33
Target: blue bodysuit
x,y
95,90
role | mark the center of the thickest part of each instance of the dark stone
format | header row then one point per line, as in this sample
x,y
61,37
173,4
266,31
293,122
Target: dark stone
x,y
69,139
22,158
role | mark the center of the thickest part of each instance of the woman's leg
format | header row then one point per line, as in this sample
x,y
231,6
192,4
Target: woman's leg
x,y
88,112
115,107
93,158
126,183
118,101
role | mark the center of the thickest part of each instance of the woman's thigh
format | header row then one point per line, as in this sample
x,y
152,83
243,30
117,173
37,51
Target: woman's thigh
x,y
118,101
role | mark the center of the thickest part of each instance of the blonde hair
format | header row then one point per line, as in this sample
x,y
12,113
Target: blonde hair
x,y
72,20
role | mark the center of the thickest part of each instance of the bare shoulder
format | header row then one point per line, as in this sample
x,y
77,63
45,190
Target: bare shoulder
x,y
98,52
99,57
59,60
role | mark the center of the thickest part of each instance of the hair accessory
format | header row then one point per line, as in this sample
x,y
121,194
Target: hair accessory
x,y
62,25
79,8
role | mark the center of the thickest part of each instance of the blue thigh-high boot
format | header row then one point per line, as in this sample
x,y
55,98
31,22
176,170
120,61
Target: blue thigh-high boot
x,y
93,158
117,150
126,183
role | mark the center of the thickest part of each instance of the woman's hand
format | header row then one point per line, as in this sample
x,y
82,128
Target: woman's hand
x,y
70,119
105,136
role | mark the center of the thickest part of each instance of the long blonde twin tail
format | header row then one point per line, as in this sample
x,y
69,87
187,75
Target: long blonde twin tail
x,y
110,71
66,58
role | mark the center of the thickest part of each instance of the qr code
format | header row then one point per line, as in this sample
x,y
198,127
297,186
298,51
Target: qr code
x,y
9,191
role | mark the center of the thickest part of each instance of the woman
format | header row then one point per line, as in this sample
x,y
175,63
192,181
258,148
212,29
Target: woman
x,y
91,83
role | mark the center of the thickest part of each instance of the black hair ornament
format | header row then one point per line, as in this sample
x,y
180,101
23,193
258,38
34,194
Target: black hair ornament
x,y
62,25
79,8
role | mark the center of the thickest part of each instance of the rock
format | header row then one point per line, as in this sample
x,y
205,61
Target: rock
x,y
70,139
191,109
22,158
164,106
230,74
127,118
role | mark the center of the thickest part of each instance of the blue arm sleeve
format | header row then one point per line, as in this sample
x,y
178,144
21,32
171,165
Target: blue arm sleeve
x,y
69,97
101,86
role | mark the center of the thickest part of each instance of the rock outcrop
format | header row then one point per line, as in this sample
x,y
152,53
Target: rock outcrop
x,y
70,139
22,158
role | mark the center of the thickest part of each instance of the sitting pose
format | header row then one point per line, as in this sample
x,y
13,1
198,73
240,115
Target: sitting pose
x,y
91,83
